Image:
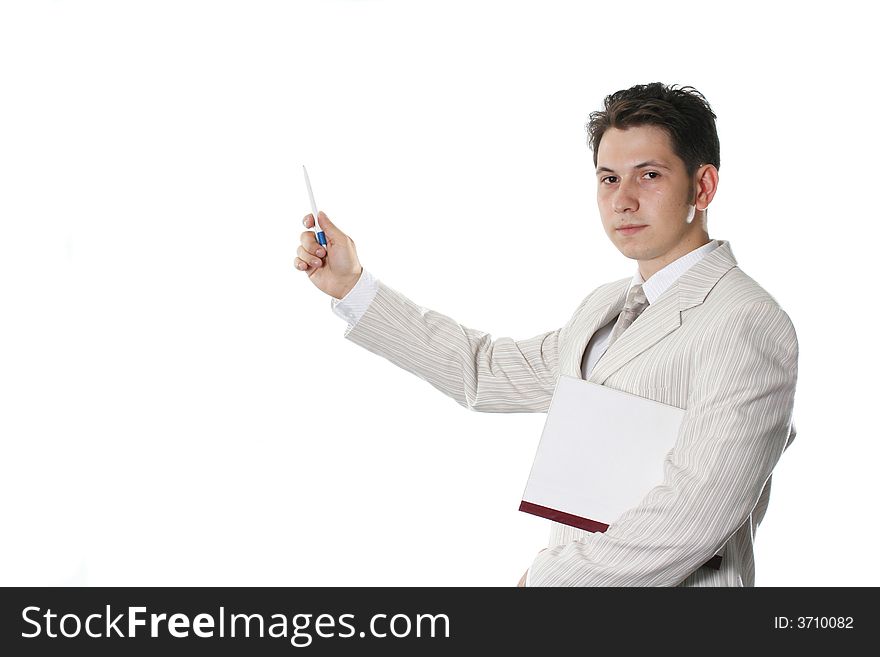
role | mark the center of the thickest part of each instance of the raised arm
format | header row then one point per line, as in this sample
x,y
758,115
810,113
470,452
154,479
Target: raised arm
x,y
482,374
496,376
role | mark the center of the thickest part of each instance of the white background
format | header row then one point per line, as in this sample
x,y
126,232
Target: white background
x,y
178,405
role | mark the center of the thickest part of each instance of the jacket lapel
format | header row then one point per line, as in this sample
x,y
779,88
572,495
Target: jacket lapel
x,y
664,316
606,307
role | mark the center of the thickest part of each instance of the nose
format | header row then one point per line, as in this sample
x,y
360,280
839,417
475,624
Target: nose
x,y
625,198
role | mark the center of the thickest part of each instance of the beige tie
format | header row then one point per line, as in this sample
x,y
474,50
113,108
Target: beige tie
x,y
636,302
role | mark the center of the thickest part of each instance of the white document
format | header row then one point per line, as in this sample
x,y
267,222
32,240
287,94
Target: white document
x,y
600,453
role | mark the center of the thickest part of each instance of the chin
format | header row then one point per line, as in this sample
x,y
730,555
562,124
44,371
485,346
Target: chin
x,y
630,250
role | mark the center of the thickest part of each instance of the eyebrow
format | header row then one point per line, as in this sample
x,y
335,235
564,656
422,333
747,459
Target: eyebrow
x,y
649,163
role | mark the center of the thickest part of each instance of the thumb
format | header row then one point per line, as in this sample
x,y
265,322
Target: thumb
x,y
328,226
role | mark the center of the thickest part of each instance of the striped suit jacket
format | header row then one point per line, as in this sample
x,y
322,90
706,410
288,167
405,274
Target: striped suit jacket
x,y
715,344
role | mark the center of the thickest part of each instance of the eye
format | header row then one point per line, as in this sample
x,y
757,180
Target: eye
x,y
606,178
652,173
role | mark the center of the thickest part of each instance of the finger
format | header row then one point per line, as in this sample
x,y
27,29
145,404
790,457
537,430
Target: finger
x,y
300,264
310,246
310,243
328,226
308,221
308,258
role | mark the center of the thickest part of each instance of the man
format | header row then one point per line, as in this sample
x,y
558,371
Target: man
x,y
689,329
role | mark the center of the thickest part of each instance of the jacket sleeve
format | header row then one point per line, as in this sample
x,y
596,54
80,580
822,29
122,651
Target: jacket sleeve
x,y
734,430
482,374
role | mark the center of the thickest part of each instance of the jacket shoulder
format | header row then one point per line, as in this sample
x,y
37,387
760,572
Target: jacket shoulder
x,y
736,290
738,299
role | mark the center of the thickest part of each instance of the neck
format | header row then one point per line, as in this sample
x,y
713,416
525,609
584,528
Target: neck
x,y
648,268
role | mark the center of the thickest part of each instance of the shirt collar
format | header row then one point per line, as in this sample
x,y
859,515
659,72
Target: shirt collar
x,y
661,281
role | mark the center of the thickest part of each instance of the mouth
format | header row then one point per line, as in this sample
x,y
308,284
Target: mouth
x,y
632,228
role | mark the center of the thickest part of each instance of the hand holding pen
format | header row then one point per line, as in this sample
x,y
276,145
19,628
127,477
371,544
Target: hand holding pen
x,y
326,254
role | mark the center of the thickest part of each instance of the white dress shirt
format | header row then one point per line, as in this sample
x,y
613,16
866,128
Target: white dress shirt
x,y
353,305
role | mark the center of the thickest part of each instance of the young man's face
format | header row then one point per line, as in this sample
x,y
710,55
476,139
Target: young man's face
x,y
642,183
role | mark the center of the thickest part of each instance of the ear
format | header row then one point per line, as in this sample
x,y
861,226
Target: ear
x,y
706,184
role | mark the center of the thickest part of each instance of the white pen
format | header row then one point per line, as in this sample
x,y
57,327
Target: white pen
x,y
319,233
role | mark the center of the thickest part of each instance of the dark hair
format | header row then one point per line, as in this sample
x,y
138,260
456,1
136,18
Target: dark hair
x,y
684,113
